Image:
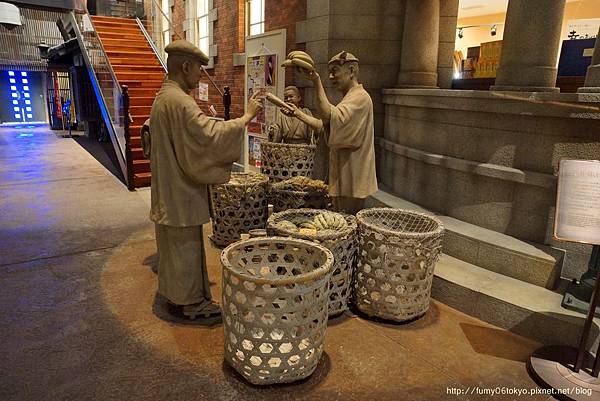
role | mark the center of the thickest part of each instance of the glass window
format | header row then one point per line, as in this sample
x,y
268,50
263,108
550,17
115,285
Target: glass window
x,y
202,30
256,17
166,36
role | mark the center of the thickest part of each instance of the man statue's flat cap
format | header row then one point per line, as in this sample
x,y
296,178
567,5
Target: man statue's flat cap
x,y
343,57
184,48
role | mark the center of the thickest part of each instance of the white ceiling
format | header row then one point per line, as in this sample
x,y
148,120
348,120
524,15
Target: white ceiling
x,y
475,8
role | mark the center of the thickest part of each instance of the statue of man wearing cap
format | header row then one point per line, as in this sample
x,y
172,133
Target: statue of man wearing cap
x,y
189,151
349,133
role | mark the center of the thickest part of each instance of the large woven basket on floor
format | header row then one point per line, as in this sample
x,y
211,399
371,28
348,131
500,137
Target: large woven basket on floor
x,y
284,199
343,244
280,161
275,296
238,207
398,250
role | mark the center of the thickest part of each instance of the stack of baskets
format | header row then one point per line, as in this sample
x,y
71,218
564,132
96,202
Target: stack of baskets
x,y
342,243
238,207
280,161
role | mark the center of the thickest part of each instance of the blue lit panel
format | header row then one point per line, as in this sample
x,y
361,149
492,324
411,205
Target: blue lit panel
x,y
20,93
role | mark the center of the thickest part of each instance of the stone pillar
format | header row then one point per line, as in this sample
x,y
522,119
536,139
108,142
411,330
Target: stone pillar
x,y
530,46
419,59
592,77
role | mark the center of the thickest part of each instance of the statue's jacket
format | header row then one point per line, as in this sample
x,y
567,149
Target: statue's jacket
x,y
351,141
189,151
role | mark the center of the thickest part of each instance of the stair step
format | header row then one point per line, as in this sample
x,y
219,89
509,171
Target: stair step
x,y
142,180
116,44
533,263
135,141
132,54
137,153
121,36
138,68
118,28
126,22
104,18
141,166
139,84
522,308
138,120
139,110
139,76
140,101
128,60
143,93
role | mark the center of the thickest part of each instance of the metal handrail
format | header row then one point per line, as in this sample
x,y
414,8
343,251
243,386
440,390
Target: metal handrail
x,y
110,68
151,42
100,97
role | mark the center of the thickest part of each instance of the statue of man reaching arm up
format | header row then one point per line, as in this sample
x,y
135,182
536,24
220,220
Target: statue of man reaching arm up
x,y
349,133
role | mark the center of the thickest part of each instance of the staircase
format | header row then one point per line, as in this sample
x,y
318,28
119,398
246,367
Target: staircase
x,y
136,66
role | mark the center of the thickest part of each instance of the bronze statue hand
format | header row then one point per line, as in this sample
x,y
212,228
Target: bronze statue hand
x,y
255,103
289,111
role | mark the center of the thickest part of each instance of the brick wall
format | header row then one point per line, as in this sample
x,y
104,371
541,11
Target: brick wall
x,y
284,14
229,38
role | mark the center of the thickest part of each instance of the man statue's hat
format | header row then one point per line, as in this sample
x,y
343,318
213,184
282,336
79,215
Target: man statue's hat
x,y
184,48
343,57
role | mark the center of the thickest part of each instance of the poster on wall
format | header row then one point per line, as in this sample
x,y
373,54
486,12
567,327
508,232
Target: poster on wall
x,y
261,78
203,92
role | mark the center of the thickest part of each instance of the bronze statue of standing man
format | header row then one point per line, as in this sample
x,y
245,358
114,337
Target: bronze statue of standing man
x,y
189,151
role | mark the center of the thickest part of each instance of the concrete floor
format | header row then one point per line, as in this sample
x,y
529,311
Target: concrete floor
x,y
79,319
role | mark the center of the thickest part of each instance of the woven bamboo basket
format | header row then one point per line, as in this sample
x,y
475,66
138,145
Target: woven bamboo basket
x,y
275,296
238,207
398,250
280,161
343,244
284,199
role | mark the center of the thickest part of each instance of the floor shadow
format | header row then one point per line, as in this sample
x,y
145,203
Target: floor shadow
x,y
498,342
303,386
104,152
152,262
169,313
420,322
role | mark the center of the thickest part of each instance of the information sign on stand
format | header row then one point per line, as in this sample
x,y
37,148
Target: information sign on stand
x,y
570,373
264,74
